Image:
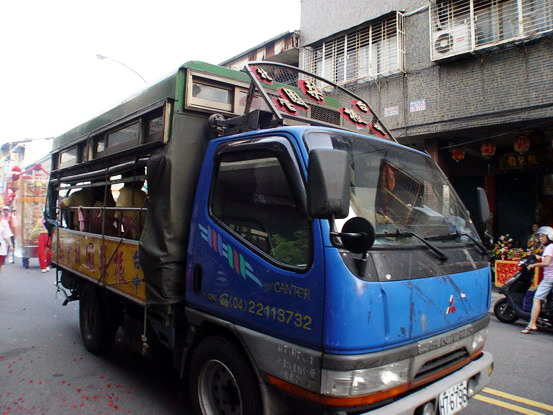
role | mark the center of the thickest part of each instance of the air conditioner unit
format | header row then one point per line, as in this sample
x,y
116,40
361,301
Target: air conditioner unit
x,y
452,41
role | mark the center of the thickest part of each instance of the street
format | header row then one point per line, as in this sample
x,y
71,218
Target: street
x,y
44,369
523,373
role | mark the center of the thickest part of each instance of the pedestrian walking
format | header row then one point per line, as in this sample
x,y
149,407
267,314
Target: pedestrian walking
x,y
5,241
546,285
9,217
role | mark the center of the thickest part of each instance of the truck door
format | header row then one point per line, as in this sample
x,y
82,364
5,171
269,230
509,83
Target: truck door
x,y
255,257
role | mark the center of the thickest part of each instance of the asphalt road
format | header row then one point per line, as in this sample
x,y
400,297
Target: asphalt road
x,y
522,382
44,369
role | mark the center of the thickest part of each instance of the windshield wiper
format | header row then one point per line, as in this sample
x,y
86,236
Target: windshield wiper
x,y
444,237
483,250
400,234
455,235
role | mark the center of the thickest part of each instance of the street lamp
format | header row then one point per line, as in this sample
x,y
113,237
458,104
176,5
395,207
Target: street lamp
x,y
102,57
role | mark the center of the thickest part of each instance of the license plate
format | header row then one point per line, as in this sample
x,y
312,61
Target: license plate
x,y
454,399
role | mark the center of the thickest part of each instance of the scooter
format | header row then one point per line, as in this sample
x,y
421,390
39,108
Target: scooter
x,y
518,299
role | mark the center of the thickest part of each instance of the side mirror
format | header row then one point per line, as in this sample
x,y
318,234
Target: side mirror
x,y
357,235
483,205
328,184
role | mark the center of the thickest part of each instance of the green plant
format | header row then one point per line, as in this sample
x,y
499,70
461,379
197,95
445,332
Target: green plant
x,y
293,251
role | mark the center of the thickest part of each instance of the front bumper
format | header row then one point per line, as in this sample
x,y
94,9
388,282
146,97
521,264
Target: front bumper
x,y
481,369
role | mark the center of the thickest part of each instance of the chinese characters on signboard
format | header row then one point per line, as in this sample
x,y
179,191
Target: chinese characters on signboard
x,y
519,161
315,99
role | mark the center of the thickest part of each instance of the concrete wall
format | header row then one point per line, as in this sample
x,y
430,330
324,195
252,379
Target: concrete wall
x,y
506,86
499,85
322,18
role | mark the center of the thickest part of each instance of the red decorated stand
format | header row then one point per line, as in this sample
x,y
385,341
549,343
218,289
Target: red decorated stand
x,y
29,191
505,269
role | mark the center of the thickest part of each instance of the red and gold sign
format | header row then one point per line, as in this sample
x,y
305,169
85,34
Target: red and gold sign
x,y
361,106
311,91
504,270
377,129
352,116
262,75
289,90
285,105
522,144
488,149
520,161
457,153
105,260
294,98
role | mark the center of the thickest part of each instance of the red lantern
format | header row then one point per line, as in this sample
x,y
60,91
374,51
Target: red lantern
x,y
457,154
488,149
522,144
16,172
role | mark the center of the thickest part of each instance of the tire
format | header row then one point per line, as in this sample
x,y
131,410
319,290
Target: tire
x,y
97,333
222,381
504,312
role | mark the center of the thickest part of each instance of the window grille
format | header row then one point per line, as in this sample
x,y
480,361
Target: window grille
x,y
376,49
461,26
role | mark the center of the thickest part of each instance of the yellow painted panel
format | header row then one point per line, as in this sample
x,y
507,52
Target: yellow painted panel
x,y
110,261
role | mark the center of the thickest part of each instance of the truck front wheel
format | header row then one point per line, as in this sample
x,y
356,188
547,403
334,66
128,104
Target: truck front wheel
x,y
222,381
96,331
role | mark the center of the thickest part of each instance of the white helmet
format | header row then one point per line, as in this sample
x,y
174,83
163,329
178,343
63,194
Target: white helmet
x,y
547,231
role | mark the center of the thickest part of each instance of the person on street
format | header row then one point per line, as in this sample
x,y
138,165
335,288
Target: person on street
x,y
533,243
5,241
9,217
546,285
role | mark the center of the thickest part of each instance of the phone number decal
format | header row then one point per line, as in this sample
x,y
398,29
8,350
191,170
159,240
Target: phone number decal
x,y
281,315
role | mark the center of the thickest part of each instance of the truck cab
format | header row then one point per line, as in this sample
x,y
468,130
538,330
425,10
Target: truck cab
x,y
345,327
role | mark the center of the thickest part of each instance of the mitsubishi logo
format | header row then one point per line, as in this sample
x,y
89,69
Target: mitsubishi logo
x,y
451,309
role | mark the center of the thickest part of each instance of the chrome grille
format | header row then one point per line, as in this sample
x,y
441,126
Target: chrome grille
x,y
442,362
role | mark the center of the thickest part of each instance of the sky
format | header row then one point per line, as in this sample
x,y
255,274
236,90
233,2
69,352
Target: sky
x,y
51,80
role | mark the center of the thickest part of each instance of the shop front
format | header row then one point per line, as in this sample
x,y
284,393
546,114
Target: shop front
x,y
516,170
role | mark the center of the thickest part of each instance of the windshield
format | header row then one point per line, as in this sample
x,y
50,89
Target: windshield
x,y
398,190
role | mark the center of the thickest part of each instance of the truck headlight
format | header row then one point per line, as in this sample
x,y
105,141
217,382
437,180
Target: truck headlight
x,y
364,381
479,339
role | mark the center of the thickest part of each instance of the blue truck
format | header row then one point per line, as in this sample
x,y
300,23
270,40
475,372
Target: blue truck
x,y
290,252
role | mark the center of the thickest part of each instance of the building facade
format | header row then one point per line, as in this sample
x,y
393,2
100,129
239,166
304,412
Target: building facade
x,y
469,81
283,48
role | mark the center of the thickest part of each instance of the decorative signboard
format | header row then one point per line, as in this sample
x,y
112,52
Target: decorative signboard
x,y
294,94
